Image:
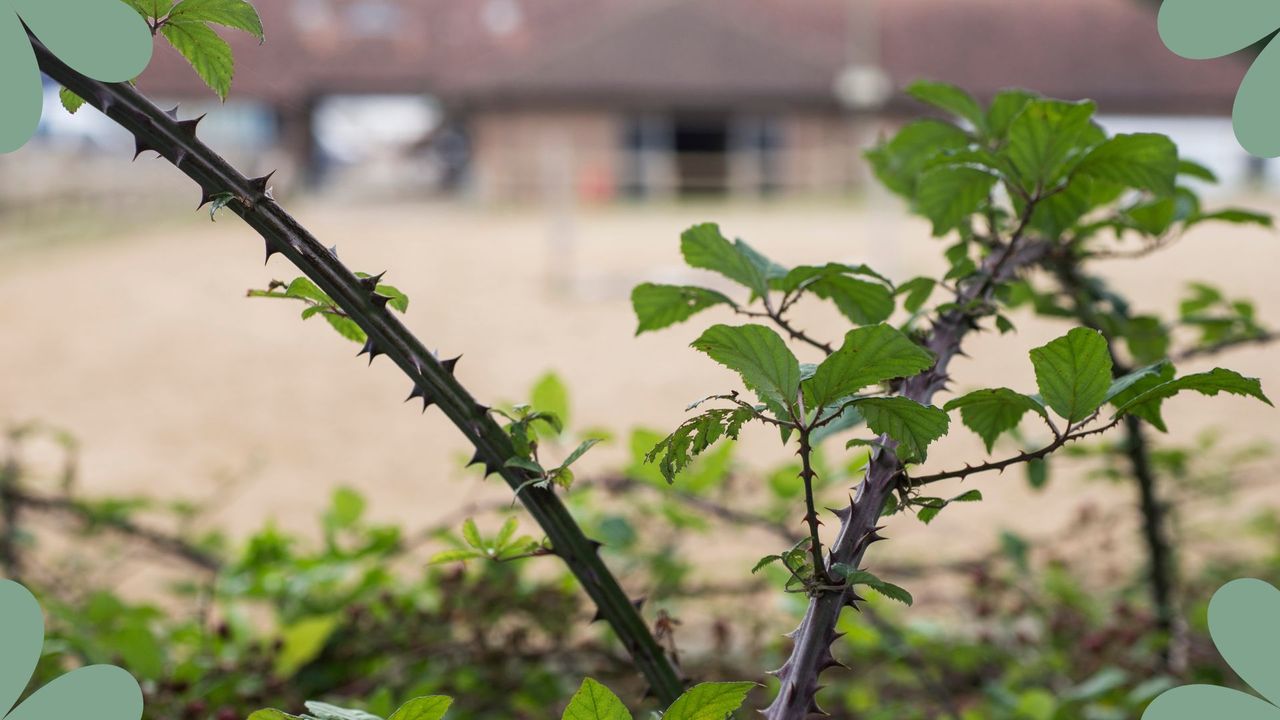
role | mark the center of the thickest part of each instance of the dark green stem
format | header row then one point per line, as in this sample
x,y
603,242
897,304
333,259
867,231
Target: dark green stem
x,y
1162,568
811,517
433,380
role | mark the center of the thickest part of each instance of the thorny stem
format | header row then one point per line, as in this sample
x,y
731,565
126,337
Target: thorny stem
x,y
1162,563
432,379
811,653
811,511
1001,465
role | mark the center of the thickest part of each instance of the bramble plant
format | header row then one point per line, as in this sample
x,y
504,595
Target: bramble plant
x,y
1025,187
1027,184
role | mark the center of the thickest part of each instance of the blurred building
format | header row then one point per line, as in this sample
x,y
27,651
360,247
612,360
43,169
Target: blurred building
x,y
517,99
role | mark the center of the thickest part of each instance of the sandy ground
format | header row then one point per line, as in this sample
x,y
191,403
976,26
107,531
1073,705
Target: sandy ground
x,y
139,339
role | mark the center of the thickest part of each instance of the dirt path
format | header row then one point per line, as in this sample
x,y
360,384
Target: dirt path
x,y
143,344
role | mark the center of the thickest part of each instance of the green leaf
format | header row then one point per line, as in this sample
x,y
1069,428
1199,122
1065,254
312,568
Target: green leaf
x,y
208,54
917,291
1144,161
549,395
151,9
863,302
303,288
1147,403
301,642
868,356
594,701
1151,412
1196,170
949,194
71,101
660,306
525,464
325,711
992,412
912,425
471,534
1235,216
346,327
950,99
578,452
1123,383
709,701
431,707
757,354
272,714
862,577
506,532
448,556
704,247
899,162
1073,373
764,562
1044,137
1038,473
694,436
1005,106
345,508
237,14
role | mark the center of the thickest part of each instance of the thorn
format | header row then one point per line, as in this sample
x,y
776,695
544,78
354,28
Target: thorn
x,y
260,184
371,283
482,410
173,114
649,693
638,603
595,544
179,158
140,146
270,251
370,349
476,459
598,616
333,250
379,300
450,364
188,127
420,392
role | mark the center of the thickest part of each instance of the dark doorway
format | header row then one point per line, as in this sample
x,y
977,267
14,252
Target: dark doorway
x,y
702,154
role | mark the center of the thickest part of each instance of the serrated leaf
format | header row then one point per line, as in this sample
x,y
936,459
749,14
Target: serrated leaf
x,y
1043,139
951,99
1123,383
869,355
709,701
431,707
1144,161
1005,106
471,534
346,327
506,532
694,436
917,291
237,14
1147,404
70,101
594,701
660,306
969,496
898,162
448,556
993,412
759,356
151,9
579,451
704,247
272,714
948,195
864,303
525,464
912,425
301,642
1073,373
862,577
764,562
208,54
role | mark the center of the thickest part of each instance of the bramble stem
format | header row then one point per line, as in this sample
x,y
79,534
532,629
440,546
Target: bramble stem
x,y
155,130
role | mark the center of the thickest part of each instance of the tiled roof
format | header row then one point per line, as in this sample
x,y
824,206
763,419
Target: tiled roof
x,y
709,51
